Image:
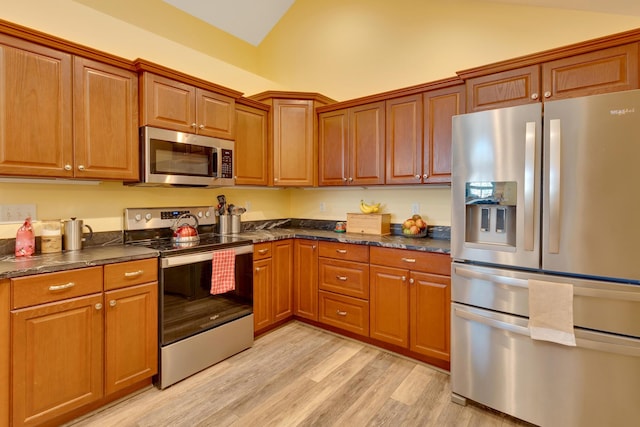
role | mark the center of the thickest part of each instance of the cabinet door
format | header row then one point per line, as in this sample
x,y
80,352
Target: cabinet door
x,y
215,114
262,273
5,352
439,107
282,293
57,358
105,108
168,104
35,110
294,150
430,301
505,89
305,281
333,140
404,140
366,144
251,146
389,305
131,331
606,70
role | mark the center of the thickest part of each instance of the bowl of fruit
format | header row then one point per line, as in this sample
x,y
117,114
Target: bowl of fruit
x,y
414,227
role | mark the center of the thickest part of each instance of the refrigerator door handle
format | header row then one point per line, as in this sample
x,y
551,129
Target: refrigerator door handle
x,y
529,185
582,291
555,152
624,346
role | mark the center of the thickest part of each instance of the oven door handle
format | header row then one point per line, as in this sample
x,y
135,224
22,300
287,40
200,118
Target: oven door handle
x,y
192,258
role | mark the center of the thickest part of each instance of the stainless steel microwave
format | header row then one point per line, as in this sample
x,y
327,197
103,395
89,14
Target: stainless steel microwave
x,y
172,158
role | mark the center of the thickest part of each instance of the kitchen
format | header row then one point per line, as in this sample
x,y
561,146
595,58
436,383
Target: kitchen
x,y
101,205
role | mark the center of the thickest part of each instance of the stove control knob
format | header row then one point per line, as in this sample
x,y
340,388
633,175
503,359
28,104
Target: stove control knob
x,y
148,217
207,214
138,217
199,214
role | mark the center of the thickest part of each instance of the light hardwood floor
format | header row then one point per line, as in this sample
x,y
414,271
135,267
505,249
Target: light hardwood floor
x,y
299,375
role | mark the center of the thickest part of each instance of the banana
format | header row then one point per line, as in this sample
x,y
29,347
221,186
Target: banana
x,y
366,208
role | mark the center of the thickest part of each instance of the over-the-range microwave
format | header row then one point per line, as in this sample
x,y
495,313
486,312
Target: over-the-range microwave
x,y
172,158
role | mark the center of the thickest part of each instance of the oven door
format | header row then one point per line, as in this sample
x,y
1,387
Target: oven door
x,y
187,307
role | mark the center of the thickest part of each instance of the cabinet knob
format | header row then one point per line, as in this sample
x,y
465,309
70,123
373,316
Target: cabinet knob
x,y
112,303
425,176
341,313
313,247
547,94
404,278
194,125
344,178
417,176
81,167
257,268
342,278
201,127
350,179
275,179
67,167
411,281
98,306
534,96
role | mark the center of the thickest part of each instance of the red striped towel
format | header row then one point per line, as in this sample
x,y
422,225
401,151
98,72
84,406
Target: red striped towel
x,y
223,277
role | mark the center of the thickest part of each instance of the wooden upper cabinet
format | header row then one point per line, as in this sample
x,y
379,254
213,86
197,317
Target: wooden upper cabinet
x,y
366,148
333,151
404,123
294,144
555,75
36,136
252,145
607,70
171,104
105,114
351,145
439,107
504,89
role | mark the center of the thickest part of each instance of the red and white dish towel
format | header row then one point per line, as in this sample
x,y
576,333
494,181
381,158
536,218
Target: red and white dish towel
x,y
223,277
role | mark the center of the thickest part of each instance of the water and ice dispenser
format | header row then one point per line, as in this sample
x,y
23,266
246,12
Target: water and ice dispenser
x,y
490,213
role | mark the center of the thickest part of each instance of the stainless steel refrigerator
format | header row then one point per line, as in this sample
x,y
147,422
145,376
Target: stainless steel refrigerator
x,y
548,194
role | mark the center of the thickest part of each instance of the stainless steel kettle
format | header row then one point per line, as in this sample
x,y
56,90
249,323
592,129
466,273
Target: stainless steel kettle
x,y
73,237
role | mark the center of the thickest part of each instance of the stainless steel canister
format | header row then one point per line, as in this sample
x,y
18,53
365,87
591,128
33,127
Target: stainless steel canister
x,y
224,224
236,226
73,238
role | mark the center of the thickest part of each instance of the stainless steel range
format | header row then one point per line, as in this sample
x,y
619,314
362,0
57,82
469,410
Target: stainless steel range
x,y
199,324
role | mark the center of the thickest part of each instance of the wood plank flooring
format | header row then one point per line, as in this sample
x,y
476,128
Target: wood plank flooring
x,y
299,375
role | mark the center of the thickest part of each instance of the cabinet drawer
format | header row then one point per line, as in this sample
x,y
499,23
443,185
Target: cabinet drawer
x,y
43,288
343,312
412,260
261,251
130,273
344,277
345,251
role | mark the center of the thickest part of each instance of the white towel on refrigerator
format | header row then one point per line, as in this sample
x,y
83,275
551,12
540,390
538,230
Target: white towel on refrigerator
x,y
551,312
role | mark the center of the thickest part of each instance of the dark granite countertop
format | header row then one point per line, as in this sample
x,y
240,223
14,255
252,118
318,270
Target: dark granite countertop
x,y
392,241
10,266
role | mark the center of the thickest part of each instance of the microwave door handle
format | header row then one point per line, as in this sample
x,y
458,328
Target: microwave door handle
x,y
529,185
555,152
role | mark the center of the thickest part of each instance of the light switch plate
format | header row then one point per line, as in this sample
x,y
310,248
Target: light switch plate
x,y
17,213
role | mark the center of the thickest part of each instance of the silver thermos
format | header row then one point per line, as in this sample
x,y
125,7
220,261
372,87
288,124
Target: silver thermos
x,y
73,234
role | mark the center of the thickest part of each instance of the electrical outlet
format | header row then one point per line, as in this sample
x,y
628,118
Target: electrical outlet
x,y
17,213
247,206
415,208
323,207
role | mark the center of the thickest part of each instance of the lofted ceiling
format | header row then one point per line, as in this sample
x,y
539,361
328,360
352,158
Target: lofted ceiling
x,y
252,20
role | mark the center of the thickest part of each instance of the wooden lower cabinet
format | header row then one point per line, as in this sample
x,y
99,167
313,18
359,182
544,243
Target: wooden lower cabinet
x,y
390,305
272,283
5,350
350,314
57,358
410,300
80,345
305,280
